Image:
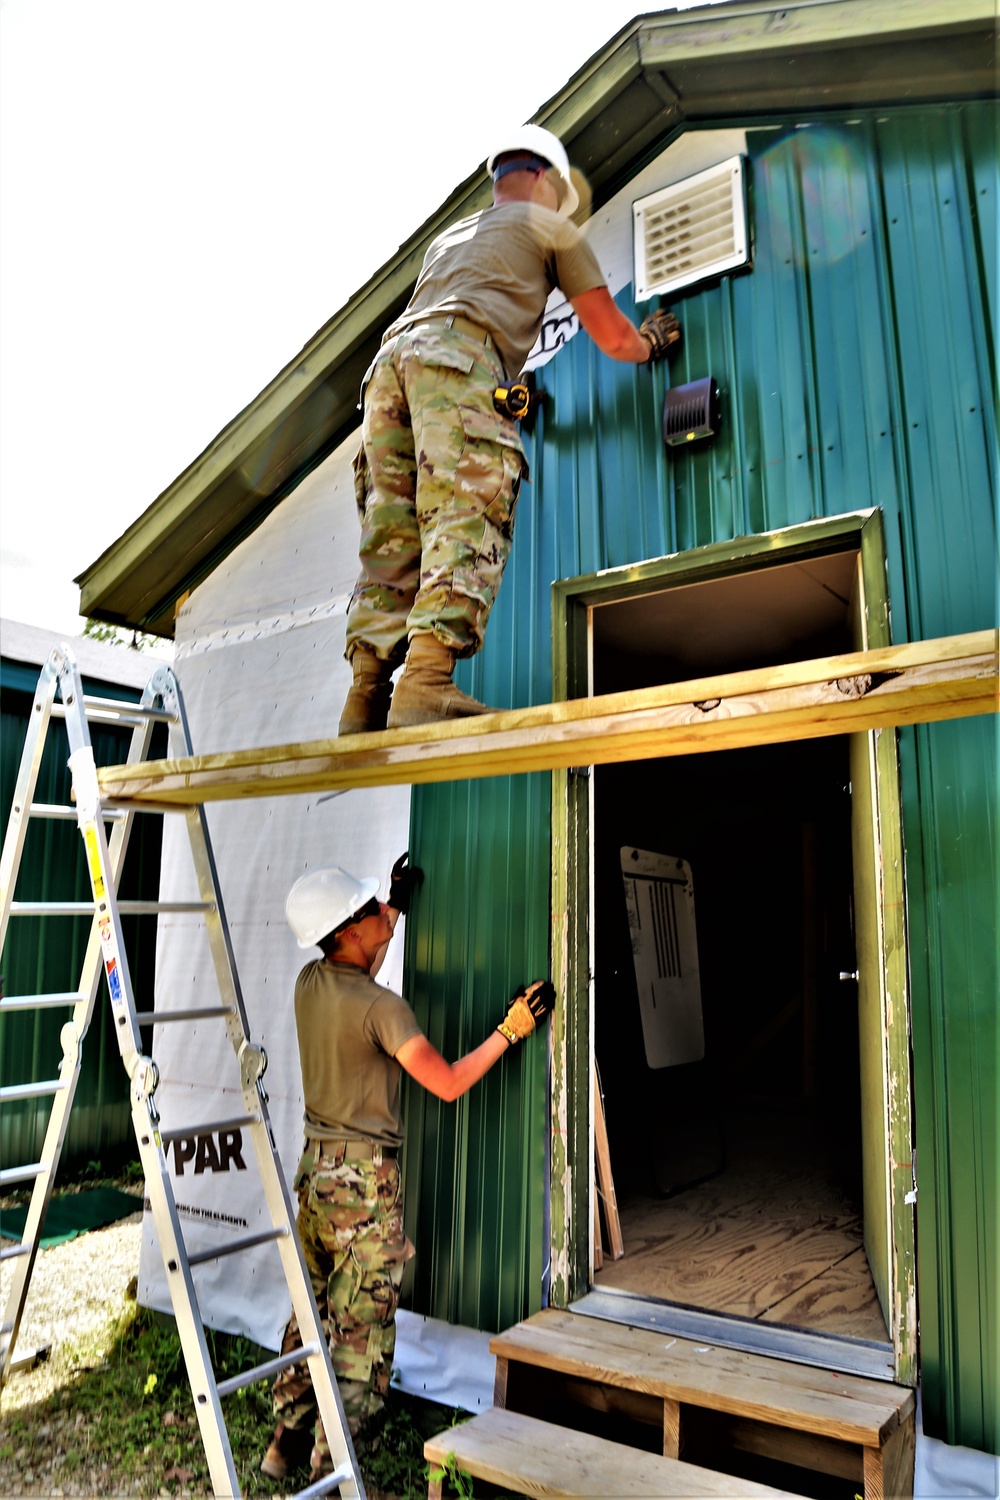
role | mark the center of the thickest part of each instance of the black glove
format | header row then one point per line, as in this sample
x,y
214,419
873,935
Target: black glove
x,y
403,881
661,331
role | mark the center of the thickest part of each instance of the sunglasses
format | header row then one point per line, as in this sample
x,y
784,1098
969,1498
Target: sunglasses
x,y
371,908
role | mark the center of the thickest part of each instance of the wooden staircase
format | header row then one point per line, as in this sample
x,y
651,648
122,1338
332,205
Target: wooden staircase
x,y
711,1407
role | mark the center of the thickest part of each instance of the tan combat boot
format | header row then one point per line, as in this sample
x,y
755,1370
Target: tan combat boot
x,y
425,691
368,700
291,1448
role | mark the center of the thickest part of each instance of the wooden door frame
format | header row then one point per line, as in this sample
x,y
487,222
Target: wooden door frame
x,y
572,1124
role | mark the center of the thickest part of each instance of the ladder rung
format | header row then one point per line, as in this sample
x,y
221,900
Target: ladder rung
x,y
14,1250
158,1017
326,1484
248,1242
68,814
31,1090
117,711
22,1174
208,1128
157,809
266,1371
86,908
39,1002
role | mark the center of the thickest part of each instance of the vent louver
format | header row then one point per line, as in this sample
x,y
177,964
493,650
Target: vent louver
x,y
690,231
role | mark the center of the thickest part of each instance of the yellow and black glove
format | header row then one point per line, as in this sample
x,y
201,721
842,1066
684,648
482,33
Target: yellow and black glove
x,y
528,1006
662,332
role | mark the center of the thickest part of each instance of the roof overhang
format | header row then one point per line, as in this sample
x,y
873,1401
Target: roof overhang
x,y
724,63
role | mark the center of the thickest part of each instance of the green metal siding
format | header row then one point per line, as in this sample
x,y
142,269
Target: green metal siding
x,y
857,366
476,1169
44,955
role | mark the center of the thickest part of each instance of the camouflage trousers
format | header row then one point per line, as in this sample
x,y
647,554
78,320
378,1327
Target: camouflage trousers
x,y
436,481
351,1227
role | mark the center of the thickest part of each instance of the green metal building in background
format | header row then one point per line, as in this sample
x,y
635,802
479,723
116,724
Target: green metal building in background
x,y
856,459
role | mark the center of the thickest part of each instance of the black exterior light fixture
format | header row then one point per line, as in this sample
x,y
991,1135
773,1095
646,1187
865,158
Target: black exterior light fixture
x,y
691,413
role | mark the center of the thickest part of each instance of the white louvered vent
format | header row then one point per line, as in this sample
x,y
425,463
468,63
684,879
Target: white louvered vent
x,y
692,230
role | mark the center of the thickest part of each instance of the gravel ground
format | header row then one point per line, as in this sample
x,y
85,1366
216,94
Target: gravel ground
x,y
76,1291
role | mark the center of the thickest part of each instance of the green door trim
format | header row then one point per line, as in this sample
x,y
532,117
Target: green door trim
x,y
572,1148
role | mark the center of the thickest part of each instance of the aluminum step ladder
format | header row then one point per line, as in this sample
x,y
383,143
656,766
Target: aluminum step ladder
x,y
105,954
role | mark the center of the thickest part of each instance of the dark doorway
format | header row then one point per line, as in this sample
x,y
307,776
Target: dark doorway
x,y
738,1174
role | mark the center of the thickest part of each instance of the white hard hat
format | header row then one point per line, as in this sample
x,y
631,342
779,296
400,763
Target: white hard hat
x,y
538,141
320,901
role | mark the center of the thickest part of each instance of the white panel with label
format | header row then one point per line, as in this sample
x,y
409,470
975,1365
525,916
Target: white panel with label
x,y
659,896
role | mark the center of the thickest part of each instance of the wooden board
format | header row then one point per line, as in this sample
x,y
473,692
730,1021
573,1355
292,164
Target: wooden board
x,y
530,1457
927,680
847,1407
840,1299
605,1179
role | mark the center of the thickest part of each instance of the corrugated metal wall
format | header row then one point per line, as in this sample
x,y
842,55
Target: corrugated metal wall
x,y
857,367
43,955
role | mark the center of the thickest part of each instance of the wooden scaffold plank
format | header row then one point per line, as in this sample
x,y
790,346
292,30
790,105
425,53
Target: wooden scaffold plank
x,y
920,682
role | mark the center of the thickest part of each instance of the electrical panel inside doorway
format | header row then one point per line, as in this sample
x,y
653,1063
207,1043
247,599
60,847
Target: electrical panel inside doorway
x,y
659,896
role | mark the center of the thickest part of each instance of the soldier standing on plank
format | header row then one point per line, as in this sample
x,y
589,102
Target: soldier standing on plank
x,y
355,1037
439,470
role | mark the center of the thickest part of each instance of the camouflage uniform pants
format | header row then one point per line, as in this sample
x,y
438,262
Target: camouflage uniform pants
x,y
351,1228
436,482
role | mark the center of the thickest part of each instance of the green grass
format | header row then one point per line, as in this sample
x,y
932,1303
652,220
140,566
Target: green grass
x,y
122,1419
127,1421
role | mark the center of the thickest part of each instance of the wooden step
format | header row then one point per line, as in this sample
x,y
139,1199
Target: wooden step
x,y
530,1457
710,1400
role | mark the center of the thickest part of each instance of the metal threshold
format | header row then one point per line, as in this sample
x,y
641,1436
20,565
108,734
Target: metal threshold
x,y
800,1345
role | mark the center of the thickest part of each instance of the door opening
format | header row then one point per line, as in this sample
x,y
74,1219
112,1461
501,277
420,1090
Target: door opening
x,y
743,1175
739,1175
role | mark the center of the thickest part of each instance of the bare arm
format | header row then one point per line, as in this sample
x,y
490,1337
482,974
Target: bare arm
x,y
608,326
379,958
449,1081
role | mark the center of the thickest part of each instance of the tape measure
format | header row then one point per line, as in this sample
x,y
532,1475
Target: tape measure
x,y
512,400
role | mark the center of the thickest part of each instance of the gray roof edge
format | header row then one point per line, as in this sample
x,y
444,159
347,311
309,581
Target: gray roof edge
x,y
120,666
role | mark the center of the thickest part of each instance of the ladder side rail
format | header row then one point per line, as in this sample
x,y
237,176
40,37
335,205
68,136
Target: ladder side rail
x,y
143,1078
209,889
72,1035
71,1040
24,787
253,1062
321,1372
180,1284
104,859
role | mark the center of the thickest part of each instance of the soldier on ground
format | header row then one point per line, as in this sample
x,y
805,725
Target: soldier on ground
x,y
355,1037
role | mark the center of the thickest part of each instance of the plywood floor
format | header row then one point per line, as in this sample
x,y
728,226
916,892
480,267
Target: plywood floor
x,y
776,1236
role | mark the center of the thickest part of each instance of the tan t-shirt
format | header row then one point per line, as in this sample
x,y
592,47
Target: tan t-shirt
x,y
497,268
349,1029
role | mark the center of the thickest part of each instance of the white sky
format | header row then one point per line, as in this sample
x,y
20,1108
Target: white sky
x,y
188,191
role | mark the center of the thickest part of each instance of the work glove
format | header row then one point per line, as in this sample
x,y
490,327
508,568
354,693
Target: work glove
x,y
662,332
527,1007
403,881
